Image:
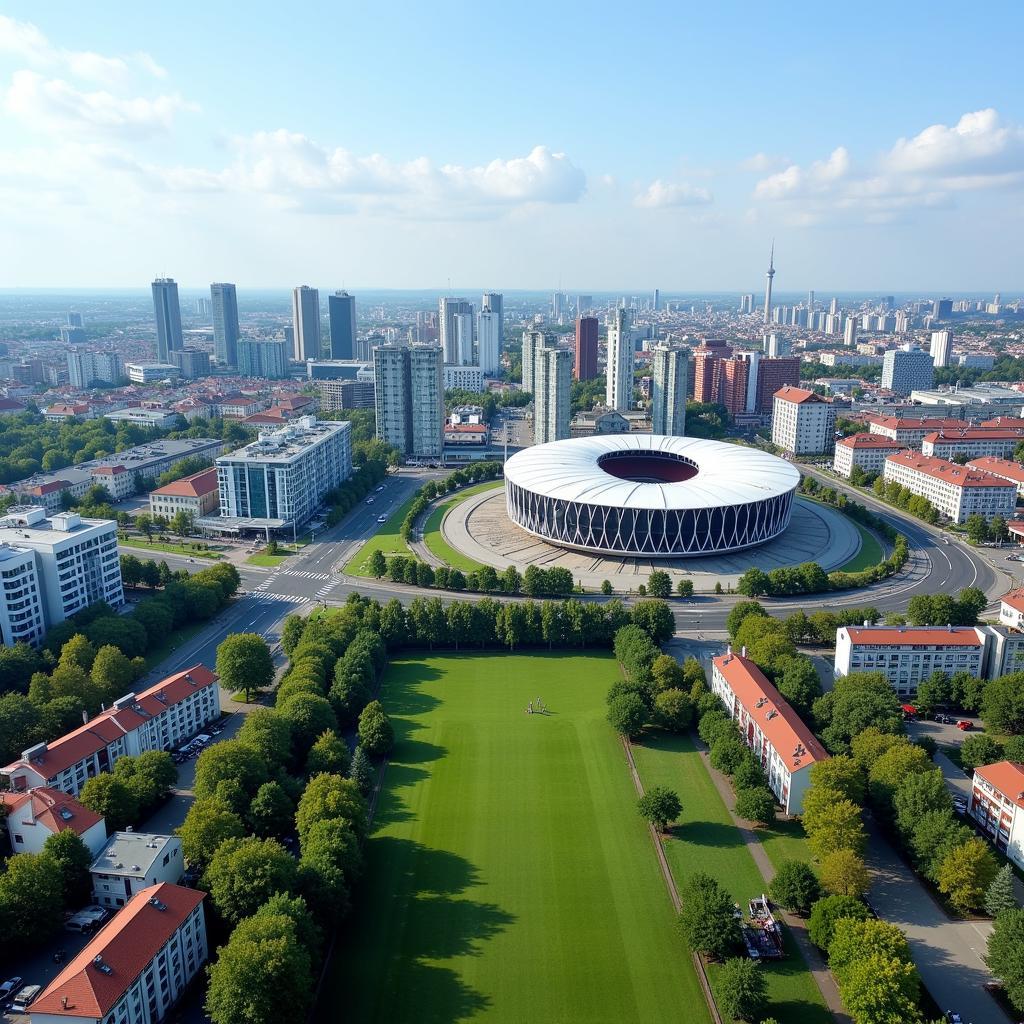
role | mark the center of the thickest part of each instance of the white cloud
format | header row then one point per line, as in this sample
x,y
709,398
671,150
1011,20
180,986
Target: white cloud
x,y
762,163
978,144
661,194
794,181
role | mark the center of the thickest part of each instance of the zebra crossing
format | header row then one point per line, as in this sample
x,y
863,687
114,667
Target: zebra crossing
x,y
321,576
289,598
324,592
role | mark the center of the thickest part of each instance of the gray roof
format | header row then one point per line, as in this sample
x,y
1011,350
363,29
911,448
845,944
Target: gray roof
x,y
131,853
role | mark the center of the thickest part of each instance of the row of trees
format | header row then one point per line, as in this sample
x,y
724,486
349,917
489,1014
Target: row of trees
x,y
902,497
475,473
535,582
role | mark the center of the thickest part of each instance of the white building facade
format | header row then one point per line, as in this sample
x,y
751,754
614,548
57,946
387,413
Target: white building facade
x,y
956,491
802,422
551,403
907,369
621,361
975,444
997,805
131,861
36,814
867,452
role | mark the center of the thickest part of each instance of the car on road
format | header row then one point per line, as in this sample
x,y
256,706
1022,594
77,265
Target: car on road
x,y
370,501
382,519
381,488
959,805
952,1017
965,725
8,988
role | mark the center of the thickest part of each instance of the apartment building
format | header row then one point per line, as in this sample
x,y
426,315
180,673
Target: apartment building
x,y
409,398
268,359
1005,469
60,412
463,378
131,861
86,368
160,419
136,968
33,816
279,480
975,444
52,568
345,394
907,369
198,494
956,491
151,373
910,432
802,422
867,452
161,717
781,742
996,803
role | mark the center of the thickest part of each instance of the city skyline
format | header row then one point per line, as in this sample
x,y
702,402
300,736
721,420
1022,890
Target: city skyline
x,y
116,157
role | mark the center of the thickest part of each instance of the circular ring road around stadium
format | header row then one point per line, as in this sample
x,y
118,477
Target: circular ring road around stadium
x,y
649,495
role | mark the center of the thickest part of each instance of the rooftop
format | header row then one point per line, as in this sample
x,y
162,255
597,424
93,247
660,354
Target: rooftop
x,y
908,423
54,810
1006,468
288,441
1007,777
191,486
915,636
974,434
1015,599
131,853
798,395
940,469
870,441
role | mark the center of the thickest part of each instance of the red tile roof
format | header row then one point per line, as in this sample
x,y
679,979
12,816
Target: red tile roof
x,y
1009,422
1015,526
54,810
952,436
932,422
11,405
1007,777
797,395
1005,468
785,730
870,441
109,470
917,636
193,486
126,944
940,469
1015,598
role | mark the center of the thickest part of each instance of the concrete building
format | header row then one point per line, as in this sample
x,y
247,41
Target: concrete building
x,y
345,394
267,359
975,444
167,311
783,745
976,402
911,431
409,398
585,361
1005,469
707,369
132,861
996,803
197,494
957,492
867,452
447,311
279,480
907,369
489,341
152,419
341,312
193,363
34,815
240,407
552,374
61,412
224,303
463,378
533,343
137,967
86,368
802,422
668,390
941,347
621,360
152,373
465,338
52,568
305,323
161,717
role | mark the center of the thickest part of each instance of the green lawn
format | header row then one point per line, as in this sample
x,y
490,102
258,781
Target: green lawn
x,y
509,877
387,539
433,537
705,839
870,553
171,549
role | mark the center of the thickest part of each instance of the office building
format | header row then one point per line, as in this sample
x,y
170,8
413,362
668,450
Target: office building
x,y
802,422
193,363
196,494
747,303
34,815
668,390
137,967
495,302
73,335
942,309
533,342
619,370
168,318
907,369
279,480
305,323
941,347
489,341
86,368
1005,469
776,346
465,338
974,443
585,361
552,374
341,311
345,394
159,419
52,568
996,803
770,375
75,319
956,491
911,431
152,373
161,717
409,398
783,745
850,331
557,301
447,310
224,301
132,861
866,452
463,378
266,359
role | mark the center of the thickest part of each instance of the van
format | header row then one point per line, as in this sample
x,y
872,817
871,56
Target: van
x,y
25,998
80,923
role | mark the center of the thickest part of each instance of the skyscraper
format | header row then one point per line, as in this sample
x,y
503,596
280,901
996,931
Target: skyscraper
x,y
465,337
657,299
833,306
551,401
942,347
556,305
768,285
341,311
707,369
495,302
75,319
619,387
585,367
447,310
168,318
668,390
225,323
409,398
306,323
533,342
850,331
488,336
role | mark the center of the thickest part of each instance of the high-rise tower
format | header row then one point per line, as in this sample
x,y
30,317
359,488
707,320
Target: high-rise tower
x,y
306,323
768,286
225,323
168,318
341,311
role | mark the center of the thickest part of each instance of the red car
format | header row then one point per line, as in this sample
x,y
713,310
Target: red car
x,y
964,724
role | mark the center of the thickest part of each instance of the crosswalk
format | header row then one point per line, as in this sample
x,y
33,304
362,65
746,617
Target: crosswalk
x,y
324,592
262,595
321,576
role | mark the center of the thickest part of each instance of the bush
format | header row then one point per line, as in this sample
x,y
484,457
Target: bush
x,y
627,715
742,990
795,886
756,804
829,910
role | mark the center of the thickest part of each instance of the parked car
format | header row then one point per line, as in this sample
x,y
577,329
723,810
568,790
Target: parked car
x,y
25,998
8,988
959,805
382,519
952,1017
370,500
965,725
381,488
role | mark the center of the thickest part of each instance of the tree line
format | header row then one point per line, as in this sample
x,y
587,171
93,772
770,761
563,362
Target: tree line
x,y
475,473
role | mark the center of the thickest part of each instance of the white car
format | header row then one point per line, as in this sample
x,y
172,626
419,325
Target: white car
x,y
370,501
381,488
382,519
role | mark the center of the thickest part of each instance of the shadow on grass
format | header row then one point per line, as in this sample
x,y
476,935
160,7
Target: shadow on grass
x,y
709,833
670,742
798,1010
391,807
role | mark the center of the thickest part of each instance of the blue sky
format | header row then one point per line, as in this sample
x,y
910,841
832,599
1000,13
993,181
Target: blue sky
x,y
600,146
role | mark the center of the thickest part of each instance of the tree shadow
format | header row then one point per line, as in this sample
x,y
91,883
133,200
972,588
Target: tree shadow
x,y
670,742
709,833
391,807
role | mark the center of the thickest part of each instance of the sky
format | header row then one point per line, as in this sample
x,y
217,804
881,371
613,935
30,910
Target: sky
x,y
535,145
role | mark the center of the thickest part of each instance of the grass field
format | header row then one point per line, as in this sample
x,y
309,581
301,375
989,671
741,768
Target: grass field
x,y
509,877
705,839
169,549
434,539
870,553
387,539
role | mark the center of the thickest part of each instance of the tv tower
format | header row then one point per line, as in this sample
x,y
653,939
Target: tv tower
x,y
768,286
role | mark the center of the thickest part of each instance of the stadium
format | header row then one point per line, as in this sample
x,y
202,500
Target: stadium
x,y
649,495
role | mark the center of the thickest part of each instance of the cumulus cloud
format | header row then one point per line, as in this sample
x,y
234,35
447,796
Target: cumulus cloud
x,y
795,180
979,143
763,163
661,194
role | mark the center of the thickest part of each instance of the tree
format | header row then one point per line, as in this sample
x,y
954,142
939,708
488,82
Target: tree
x,y
917,795
706,918
756,804
827,911
627,715
309,716
182,522
684,588
795,886
209,823
330,860
31,900
229,759
328,754
842,774
244,663
111,798
1005,956
331,796
980,749
659,584
666,672
742,990
376,734
268,733
606,588
74,859
112,671
1002,704
966,872
361,770
740,611
853,941
977,528
880,989
244,873
150,776
728,752
799,682
843,873
1000,895
896,764
272,811
836,826
655,618
660,806
673,710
